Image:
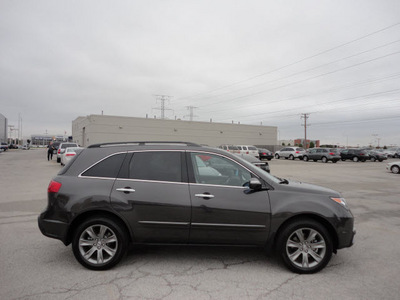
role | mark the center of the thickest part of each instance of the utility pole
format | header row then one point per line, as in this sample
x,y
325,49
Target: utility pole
x,y
305,116
162,108
191,115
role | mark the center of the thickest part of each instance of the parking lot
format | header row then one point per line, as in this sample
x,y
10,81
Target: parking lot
x,y
36,267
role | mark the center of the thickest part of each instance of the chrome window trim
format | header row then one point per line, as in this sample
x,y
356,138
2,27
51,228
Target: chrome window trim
x,y
150,181
219,185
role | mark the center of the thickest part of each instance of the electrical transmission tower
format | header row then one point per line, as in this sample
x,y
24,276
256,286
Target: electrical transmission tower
x,y
191,115
305,116
162,108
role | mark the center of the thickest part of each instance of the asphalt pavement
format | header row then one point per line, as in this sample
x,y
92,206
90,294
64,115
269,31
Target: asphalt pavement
x,y
33,266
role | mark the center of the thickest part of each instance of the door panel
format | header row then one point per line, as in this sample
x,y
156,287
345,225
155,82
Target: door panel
x,y
152,194
224,209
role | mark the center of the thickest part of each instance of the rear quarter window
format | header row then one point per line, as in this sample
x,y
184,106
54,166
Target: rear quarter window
x,y
108,167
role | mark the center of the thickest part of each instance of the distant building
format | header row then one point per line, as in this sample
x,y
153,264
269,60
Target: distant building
x,y
301,142
3,129
100,128
45,139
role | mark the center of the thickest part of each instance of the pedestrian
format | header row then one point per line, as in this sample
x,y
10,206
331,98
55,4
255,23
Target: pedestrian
x,y
50,149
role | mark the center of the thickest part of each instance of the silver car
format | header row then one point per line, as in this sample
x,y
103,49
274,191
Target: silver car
x,y
324,154
290,153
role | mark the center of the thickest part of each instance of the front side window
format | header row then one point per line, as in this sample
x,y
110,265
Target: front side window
x,y
218,170
157,165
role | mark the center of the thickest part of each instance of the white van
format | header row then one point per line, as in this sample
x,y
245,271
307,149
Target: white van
x,y
248,149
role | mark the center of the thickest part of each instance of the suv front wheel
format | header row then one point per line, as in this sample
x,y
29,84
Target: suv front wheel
x,y
99,243
305,246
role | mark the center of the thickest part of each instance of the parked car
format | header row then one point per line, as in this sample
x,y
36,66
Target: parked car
x,y
4,146
354,155
68,154
61,148
13,146
324,154
376,156
55,146
248,149
26,147
113,195
265,154
394,167
290,153
255,161
230,148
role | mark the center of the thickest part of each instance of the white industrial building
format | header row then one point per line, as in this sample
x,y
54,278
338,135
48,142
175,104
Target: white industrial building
x,y
3,129
95,129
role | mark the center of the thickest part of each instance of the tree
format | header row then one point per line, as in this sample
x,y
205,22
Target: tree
x,y
312,145
283,144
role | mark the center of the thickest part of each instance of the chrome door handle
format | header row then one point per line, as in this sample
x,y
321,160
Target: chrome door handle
x,y
205,196
125,190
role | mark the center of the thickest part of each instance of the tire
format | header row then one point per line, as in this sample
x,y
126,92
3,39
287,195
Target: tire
x,y
395,169
373,159
291,157
58,159
277,156
324,159
315,160
109,239
355,159
305,246
305,158
334,161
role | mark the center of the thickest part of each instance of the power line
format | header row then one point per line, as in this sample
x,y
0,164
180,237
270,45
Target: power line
x,y
303,71
328,91
293,63
307,79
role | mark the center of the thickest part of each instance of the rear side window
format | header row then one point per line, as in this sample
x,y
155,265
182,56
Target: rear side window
x,y
252,148
158,166
108,167
63,146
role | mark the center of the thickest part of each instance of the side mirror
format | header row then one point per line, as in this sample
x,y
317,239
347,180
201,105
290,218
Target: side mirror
x,y
255,184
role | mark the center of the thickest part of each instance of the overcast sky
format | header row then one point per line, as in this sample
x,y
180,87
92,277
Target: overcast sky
x,y
253,62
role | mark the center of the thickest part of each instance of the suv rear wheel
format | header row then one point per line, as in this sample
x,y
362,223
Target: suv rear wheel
x,y
324,159
305,246
355,159
99,243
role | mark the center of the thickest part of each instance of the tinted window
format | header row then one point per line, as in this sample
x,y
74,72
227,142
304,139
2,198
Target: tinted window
x,y
159,166
233,148
63,146
217,170
252,148
108,167
299,149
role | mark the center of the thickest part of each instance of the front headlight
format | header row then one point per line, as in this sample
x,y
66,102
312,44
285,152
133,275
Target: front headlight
x,y
341,201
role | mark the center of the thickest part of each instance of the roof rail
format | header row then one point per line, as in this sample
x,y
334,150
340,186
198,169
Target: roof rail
x,y
143,143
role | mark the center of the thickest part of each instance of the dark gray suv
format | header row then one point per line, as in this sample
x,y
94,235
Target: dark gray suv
x,y
113,195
